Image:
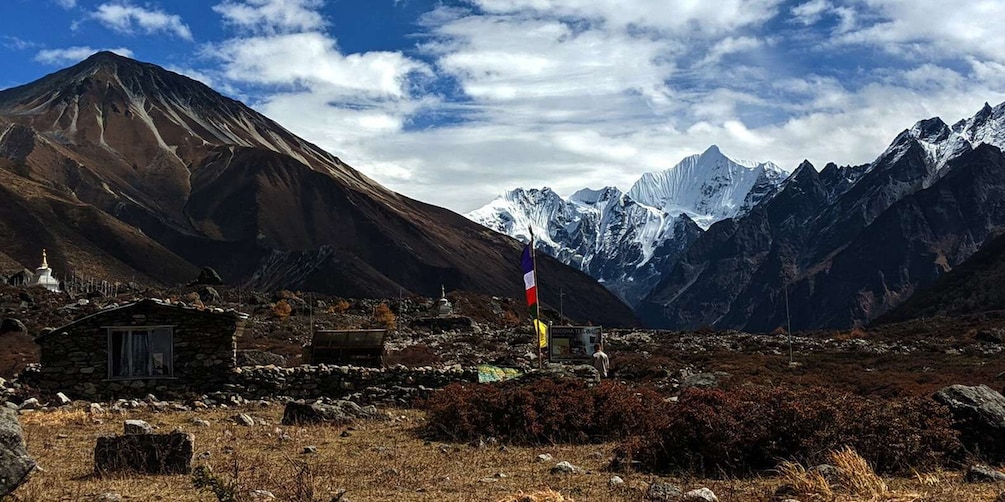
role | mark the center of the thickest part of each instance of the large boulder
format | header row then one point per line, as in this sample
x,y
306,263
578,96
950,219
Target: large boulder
x,y
15,464
979,415
209,277
12,326
335,413
145,453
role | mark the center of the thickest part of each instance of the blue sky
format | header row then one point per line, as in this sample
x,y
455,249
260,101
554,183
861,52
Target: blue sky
x,y
452,102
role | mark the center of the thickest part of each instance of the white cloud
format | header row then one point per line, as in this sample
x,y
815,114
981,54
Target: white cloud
x,y
810,12
70,55
730,45
930,28
505,59
273,16
699,16
574,93
66,4
313,60
126,18
19,43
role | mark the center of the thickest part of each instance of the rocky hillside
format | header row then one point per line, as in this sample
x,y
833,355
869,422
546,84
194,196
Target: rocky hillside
x,y
974,287
124,170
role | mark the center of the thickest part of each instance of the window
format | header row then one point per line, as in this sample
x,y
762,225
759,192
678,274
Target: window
x,y
140,352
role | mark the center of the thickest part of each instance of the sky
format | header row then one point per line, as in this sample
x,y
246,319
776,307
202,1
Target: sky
x,y
453,102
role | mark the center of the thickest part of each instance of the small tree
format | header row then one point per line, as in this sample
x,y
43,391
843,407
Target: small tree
x,y
282,309
383,317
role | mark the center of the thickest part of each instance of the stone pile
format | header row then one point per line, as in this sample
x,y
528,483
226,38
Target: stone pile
x,y
15,464
388,385
330,412
142,452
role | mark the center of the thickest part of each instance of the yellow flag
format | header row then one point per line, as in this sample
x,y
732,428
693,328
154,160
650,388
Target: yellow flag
x,y
542,332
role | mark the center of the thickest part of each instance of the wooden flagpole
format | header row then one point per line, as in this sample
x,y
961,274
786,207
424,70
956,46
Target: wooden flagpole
x,y
537,305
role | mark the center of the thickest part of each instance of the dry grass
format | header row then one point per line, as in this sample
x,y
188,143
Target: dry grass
x,y
547,495
803,482
856,476
856,481
383,460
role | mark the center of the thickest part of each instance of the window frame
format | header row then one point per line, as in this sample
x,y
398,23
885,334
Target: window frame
x,y
149,329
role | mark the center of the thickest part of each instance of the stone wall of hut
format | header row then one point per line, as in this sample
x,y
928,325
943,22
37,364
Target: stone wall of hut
x,y
75,360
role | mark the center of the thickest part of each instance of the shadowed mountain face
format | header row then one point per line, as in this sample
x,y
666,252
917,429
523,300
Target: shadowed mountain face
x,y
121,167
974,287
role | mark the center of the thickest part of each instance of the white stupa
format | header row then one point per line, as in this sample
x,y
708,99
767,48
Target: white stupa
x,y
43,276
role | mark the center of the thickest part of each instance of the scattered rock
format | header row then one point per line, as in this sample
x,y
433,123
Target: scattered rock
x,y
663,492
209,277
309,450
108,497
544,457
337,413
15,464
30,404
993,335
830,473
700,495
565,467
62,399
704,380
208,294
243,419
616,482
984,474
979,415
137,427
260,495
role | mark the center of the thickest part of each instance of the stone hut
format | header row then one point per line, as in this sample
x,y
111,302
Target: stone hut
x,y
139,348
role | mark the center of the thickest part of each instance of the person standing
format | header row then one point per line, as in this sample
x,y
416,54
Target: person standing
x,y
600,360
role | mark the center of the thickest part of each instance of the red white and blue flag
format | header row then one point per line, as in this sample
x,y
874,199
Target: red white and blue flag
x,y
529,280
530,285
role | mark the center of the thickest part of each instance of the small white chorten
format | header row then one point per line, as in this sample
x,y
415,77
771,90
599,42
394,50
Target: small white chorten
x,y
443,306
43,276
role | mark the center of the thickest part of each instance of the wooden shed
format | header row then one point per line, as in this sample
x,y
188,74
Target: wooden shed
x,y
360,347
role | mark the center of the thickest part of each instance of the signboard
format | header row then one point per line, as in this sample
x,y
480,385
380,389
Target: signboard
x,y
573,344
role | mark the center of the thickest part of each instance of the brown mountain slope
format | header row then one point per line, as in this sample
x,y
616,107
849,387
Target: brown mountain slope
x,y
215,183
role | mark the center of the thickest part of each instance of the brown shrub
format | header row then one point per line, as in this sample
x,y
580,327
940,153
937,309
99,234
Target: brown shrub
x,y
543,411
383,317
282,309
339,307
510,318
715,432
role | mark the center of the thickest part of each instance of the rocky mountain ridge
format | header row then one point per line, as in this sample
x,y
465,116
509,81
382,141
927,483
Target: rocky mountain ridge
x,y
627,240
846,247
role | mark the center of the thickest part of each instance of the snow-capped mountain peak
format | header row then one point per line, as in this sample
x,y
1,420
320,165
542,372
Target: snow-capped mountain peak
x,y
626,239
708,187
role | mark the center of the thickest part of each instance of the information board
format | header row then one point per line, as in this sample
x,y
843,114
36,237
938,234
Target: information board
x,y
573,344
